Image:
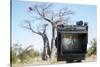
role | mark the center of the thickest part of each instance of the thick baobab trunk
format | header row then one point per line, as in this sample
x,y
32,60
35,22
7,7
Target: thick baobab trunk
x,y
53,48
46,48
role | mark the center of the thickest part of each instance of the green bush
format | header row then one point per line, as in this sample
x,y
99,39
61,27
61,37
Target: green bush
x,y
22,55
14,56
93,49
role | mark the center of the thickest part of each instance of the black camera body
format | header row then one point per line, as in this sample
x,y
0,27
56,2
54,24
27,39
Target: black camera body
x,y
71,42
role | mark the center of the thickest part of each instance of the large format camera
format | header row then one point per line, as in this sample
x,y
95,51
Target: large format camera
x,y
71,42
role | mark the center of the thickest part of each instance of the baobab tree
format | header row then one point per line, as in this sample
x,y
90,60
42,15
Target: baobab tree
x,y
46,47
44,11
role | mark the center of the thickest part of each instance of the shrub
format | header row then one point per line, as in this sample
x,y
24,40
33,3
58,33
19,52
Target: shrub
x,y
92,50
21,55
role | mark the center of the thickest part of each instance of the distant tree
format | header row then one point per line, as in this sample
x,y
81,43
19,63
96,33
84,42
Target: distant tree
x,y
46,47
43,11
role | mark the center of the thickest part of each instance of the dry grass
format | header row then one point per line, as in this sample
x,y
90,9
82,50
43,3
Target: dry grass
x,y
39,61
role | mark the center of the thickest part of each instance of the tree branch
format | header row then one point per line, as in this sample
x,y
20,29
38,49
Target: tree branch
x,y
63,15
45,25
29,27
44,12
41,11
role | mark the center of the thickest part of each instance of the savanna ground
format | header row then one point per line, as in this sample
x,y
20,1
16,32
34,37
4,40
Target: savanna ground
x,y
31,57
39,61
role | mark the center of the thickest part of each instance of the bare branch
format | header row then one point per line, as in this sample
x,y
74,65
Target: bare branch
x,y
63,15
34,16
45,25
29,27
41,11
65,11
47,6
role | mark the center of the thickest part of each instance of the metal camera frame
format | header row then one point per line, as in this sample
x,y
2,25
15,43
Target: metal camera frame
x,y
72,29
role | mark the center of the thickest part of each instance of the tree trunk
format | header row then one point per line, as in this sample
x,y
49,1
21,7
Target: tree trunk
x,y
53,48
46,48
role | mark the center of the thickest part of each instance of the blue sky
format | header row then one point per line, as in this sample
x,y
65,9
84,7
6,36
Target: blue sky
x,y
87,13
